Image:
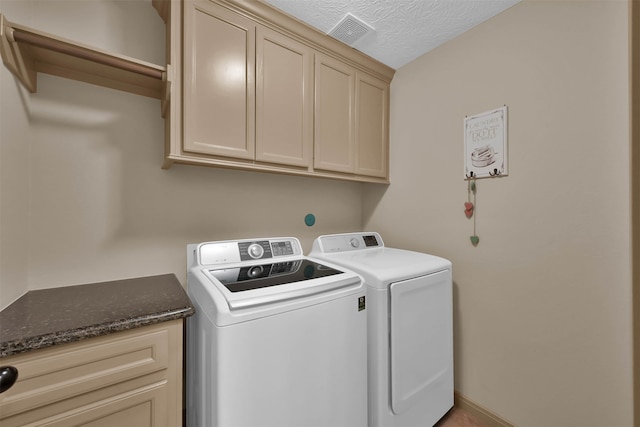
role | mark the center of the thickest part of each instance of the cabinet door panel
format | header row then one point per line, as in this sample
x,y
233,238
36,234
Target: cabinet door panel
x,y
372,117
140,408
141,414
219,57
334,122
283,99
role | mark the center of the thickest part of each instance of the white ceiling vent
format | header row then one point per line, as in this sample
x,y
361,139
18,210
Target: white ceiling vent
x,y
350,29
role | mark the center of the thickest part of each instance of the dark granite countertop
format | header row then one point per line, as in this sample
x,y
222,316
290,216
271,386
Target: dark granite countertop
x,y
48,317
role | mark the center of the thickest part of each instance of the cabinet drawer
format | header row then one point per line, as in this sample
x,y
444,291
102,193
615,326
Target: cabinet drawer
x,y
58,373
140,408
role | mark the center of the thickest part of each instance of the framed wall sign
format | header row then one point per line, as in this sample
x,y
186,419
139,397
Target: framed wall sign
x,y
485,144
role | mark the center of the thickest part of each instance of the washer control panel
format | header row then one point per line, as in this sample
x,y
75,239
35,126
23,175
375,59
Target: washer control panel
x,y
264,249
254,250
347,242
224,252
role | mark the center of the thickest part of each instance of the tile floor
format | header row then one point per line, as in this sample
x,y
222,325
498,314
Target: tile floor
x,y
459,418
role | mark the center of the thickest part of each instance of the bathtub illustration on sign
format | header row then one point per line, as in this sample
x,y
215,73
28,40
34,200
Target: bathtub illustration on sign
x,y
483,156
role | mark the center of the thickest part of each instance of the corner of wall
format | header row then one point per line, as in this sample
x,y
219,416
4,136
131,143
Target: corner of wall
x,y
14,176
634,114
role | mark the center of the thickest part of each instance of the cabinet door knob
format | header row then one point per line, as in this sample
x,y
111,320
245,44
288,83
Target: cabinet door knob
x,y
8,377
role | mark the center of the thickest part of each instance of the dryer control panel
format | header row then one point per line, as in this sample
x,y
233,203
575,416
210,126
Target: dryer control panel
x,y
347,242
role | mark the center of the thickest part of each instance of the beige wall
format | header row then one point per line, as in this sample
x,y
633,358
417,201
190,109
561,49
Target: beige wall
x,y
635,143
83,197
543,315
543,304
14,188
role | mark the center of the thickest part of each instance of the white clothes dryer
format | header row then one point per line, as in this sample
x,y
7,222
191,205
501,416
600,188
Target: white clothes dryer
x,y
278,339
410,327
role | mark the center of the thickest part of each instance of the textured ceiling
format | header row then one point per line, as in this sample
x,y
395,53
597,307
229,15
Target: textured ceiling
x,y
404,29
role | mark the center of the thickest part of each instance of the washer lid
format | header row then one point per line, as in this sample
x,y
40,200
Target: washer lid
x,y
256,276
248,285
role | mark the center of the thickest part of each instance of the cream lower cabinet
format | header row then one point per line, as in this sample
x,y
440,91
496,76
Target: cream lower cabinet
x,y
247,89
131,378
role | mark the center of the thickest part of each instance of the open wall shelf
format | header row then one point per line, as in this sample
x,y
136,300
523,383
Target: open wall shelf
x,y
26,52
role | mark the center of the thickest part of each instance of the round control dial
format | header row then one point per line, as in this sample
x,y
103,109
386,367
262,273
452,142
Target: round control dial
x,y
255,251
354,242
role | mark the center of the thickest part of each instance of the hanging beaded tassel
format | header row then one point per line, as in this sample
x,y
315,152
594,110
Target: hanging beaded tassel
x,y
469,208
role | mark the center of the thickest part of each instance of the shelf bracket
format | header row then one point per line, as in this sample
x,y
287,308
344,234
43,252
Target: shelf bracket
x,y
165,99
13,59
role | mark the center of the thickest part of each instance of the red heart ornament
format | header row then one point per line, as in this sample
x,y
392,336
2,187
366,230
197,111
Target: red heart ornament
x,y
468,209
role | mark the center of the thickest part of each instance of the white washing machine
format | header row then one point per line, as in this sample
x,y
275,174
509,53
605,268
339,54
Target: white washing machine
x,y
278,339
410,327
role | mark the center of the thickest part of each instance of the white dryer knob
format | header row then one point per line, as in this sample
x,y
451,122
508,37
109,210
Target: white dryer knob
x,y
354,242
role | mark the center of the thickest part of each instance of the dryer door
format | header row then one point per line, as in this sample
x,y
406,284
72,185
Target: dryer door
x,y
421,329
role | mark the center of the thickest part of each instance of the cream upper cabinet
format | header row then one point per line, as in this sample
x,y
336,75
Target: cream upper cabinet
x,y
284,99
351,120
248,89
335,144
219,81
372,126
252,88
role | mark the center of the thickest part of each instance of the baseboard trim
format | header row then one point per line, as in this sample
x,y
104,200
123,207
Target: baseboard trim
x,y
480,413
